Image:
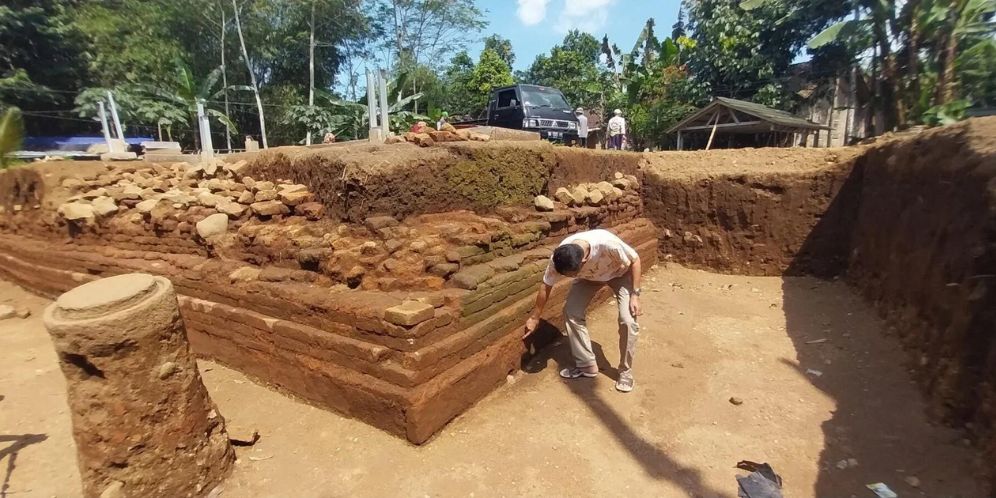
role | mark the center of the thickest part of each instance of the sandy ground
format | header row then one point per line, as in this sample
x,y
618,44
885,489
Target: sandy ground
x,y
705,338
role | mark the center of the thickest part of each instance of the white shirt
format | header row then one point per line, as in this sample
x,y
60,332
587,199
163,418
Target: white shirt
x,y
619,123
440,123
582,126
609,258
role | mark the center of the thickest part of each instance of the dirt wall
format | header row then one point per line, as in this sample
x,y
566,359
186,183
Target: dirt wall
x,y
751,211
923,250
355,182
909,221
400,180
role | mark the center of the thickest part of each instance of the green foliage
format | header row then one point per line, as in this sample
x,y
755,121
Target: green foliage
x,y
945,114
929,57
130,40
491,72
11,135
501,46
172,103
460,97
350,120
426,31
41,61
573,67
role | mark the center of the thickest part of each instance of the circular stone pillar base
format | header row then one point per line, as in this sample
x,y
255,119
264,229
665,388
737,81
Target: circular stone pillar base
x,y
143,422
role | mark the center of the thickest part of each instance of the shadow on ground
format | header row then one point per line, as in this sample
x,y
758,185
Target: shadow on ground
x,y
846,350
19,442
654,461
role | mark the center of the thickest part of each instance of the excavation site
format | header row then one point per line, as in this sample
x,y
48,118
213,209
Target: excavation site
x,y
828,311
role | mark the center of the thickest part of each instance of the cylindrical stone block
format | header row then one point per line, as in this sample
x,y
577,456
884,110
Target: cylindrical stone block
x,y
143,422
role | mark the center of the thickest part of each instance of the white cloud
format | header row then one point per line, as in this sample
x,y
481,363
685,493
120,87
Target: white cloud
x,y
585,15
532,12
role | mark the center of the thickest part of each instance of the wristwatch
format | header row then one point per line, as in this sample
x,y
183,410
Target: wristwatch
x,y
636,292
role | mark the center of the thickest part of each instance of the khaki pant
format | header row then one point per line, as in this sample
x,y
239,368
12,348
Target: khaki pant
x,y
577,307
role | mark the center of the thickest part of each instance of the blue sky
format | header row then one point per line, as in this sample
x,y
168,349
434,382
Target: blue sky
x,y
535,26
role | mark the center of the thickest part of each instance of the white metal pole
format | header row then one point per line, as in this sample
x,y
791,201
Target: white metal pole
x,y
114,115
385,123
207,148
103,125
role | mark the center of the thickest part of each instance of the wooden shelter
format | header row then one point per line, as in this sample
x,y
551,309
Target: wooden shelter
x,y
739,123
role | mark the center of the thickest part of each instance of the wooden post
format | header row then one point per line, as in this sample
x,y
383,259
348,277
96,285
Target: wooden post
x,y
679,140
713,133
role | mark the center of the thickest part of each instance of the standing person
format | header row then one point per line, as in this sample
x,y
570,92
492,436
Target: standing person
x,y
582,127
593,259
617,130
442,120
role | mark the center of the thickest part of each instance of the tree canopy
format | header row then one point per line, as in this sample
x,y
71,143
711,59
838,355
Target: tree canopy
x,y
301,62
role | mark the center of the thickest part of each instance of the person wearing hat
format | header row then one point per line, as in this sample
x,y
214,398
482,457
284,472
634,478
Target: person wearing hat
x,y
582,127
617,130
442,120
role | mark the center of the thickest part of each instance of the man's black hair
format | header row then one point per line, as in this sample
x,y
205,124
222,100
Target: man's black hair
x,y
567,258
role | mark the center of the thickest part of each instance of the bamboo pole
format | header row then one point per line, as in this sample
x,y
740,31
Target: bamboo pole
x,y
713,133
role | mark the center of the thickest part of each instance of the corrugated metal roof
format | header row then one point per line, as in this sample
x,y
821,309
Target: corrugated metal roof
x,y
762,112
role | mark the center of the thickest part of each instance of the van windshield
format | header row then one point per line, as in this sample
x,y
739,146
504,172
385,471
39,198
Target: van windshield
x,y
544,97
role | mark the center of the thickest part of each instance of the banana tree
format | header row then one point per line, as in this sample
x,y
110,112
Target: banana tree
x,y
351,119
11,135
188,92
958,31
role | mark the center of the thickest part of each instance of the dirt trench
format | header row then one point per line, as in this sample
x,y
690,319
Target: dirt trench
x,y
910,224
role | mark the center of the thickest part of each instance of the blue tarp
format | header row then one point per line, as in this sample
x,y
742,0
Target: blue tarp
x,y
77,143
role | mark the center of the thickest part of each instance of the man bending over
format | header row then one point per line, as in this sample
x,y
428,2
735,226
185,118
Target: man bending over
x,y
593,259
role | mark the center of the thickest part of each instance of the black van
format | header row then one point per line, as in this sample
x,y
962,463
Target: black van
x,y
534,108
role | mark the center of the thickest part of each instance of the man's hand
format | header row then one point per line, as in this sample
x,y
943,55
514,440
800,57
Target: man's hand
x,y
634,306
531,325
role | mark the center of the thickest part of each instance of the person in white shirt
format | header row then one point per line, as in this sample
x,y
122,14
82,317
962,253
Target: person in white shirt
x,y
617,130
593,259
582,127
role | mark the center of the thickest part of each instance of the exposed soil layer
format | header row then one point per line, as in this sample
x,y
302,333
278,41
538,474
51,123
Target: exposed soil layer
x,y
751,211
923,251
357,181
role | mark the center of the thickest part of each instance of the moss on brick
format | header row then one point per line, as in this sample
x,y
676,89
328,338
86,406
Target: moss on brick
x,y
492,177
